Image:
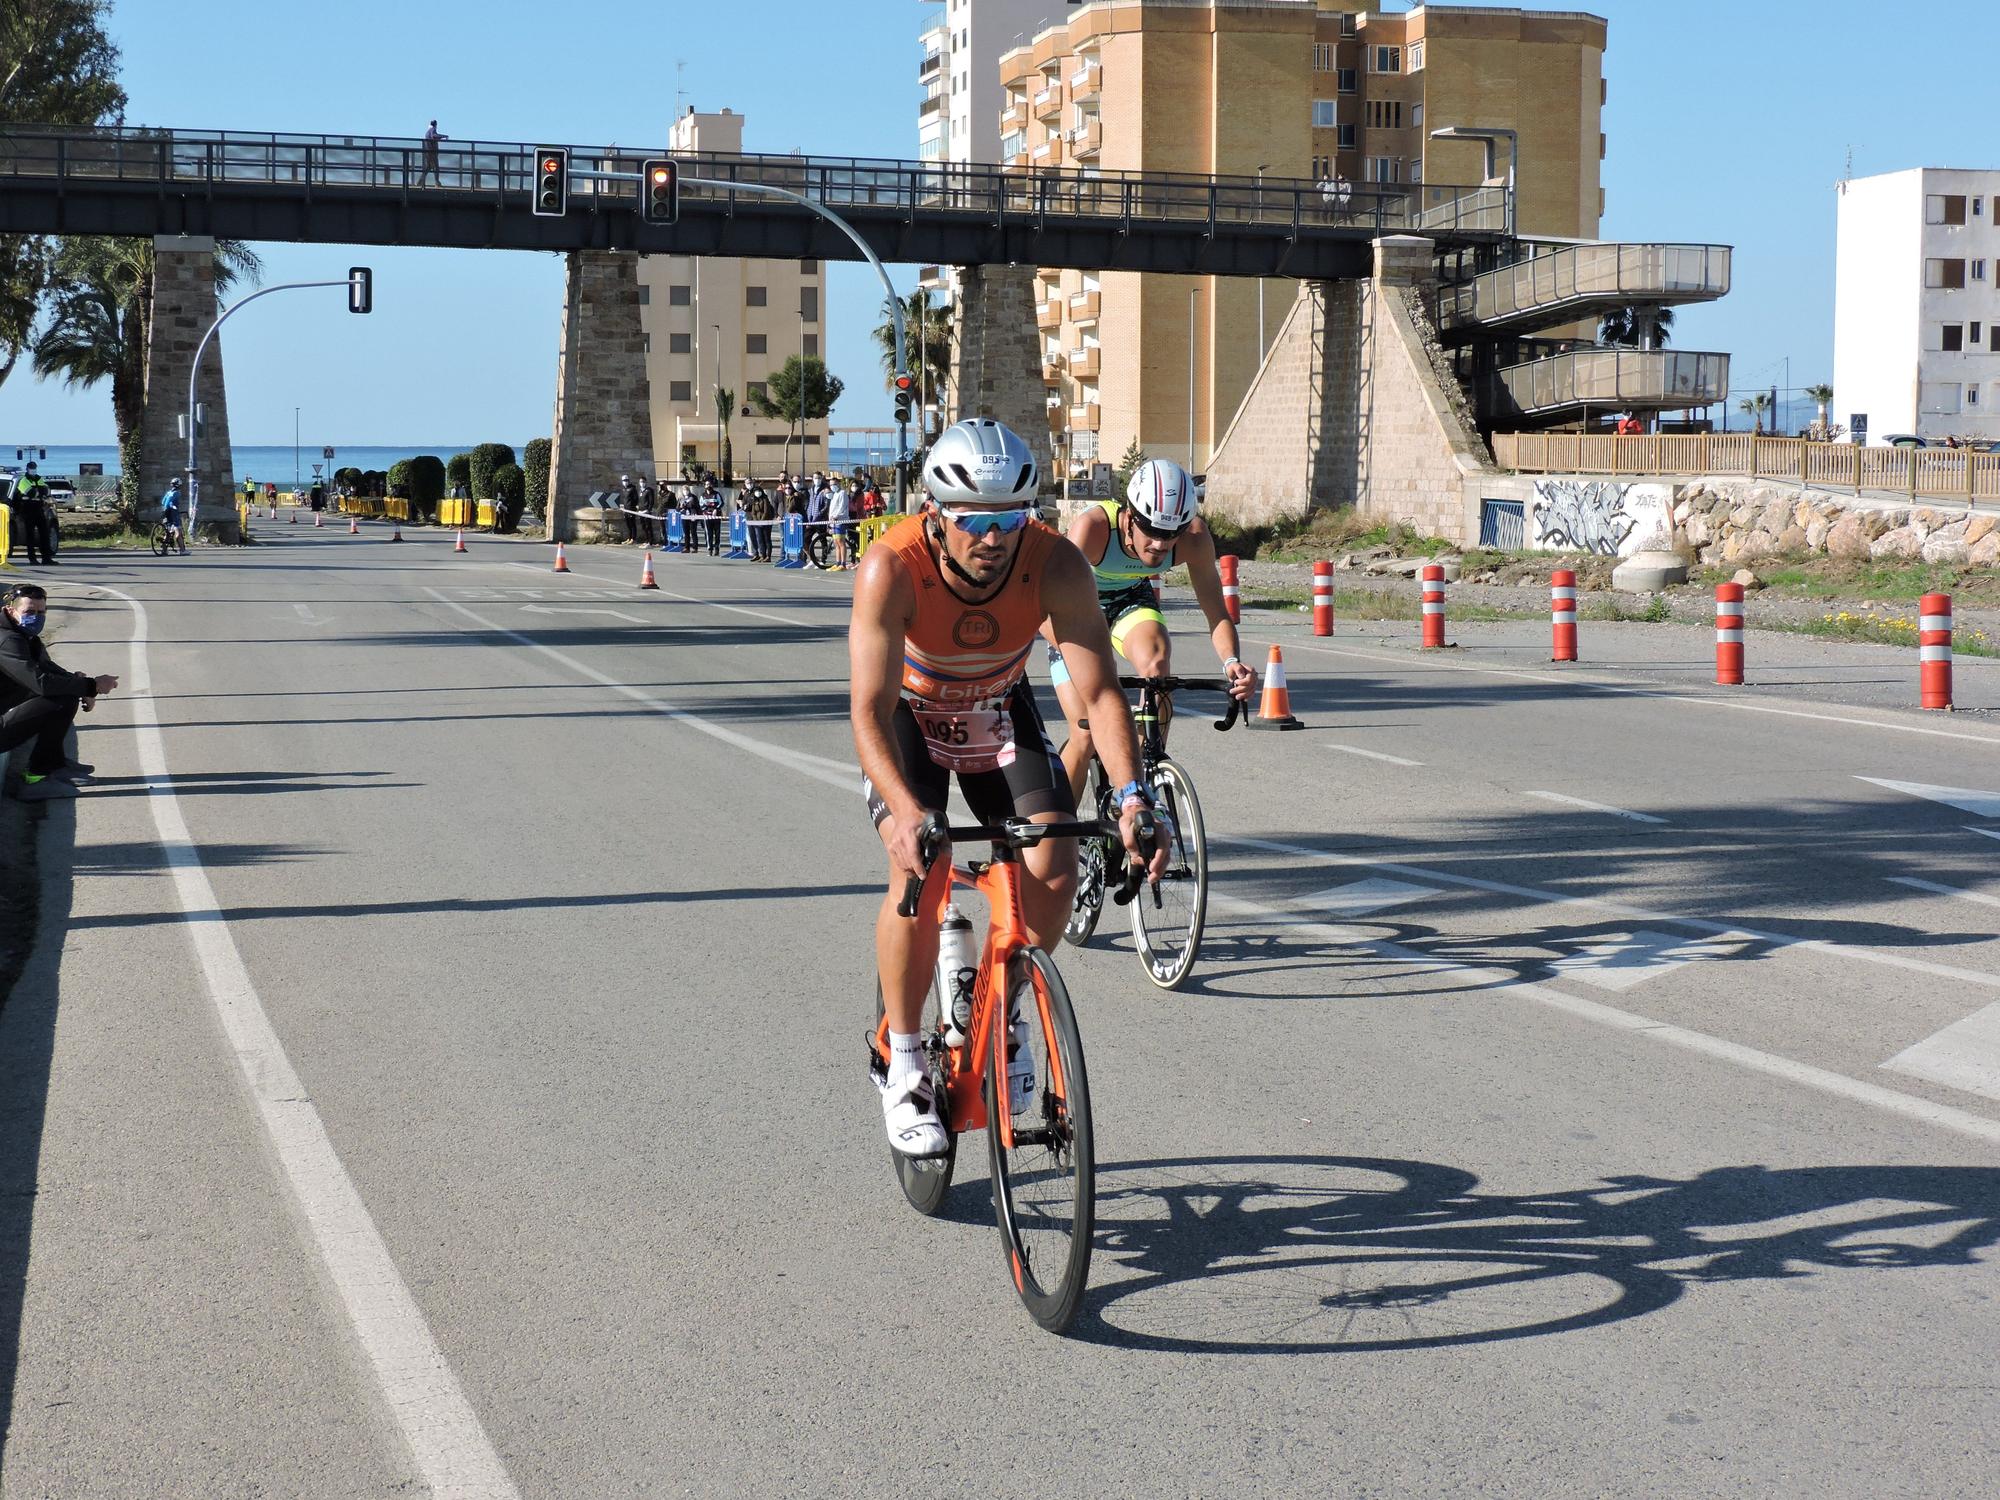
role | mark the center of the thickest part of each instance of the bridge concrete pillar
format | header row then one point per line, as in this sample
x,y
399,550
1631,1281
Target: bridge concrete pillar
x,y
183,308
996,359
604,424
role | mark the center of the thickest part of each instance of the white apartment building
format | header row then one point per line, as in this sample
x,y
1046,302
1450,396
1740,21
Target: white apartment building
x,y
1916,341
721,321
958,118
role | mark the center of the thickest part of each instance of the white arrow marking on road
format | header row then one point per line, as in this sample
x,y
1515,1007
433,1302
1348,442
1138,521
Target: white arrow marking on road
x,y
306,614
1965,1055
1630,957
1965,799
572,609
1364,896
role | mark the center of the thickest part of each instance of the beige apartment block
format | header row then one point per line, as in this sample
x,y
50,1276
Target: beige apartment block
x,y
713,321
1287,90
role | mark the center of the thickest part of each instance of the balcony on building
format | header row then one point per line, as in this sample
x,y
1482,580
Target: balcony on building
x,y
1084,418
1087,139
1084,307
1086,82
1057,414
1049,314
1052,372
1044,153
1014,116
1083,361
931,105
1048,99
927,69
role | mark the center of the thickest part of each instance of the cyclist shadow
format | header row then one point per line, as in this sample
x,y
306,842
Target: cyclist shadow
x,y
1334,1255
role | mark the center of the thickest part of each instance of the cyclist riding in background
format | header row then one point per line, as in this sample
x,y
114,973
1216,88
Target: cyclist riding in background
x,y
947,607
1128,546
170,513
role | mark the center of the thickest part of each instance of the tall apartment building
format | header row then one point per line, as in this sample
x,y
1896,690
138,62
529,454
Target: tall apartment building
x,y
962,41
1283,89
1916,335
711,321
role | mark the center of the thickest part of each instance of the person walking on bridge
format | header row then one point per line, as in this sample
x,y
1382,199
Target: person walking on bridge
x,y
431,139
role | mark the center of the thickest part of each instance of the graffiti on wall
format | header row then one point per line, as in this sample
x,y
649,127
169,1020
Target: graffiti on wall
x,y
1604,516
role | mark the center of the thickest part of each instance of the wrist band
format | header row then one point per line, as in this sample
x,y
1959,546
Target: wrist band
x,y
1133,789
1231,661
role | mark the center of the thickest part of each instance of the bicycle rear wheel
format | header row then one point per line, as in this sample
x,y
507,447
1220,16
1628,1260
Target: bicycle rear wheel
x,y
1167,919
158,541
1045,1181
925,1180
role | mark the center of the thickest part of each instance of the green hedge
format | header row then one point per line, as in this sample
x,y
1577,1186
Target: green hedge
x,y
399,479
426,481
485,459
508,485
535,472
458,471
349,477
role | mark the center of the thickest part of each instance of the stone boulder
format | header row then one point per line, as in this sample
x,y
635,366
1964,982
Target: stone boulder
x,y
1979,527
1901,542
1816,533
1950,551
1848,537
1985,553
1792,540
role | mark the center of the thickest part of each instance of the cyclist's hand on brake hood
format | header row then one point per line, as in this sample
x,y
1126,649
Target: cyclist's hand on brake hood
x,y
1155,857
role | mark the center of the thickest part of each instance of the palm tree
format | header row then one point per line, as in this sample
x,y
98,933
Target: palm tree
x,y
1626,327
100,308
1754,407
926,340
1820,395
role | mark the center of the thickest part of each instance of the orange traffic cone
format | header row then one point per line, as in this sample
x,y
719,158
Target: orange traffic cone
x,y
461,540
354,526
646,575
1276,710
562,563
397,534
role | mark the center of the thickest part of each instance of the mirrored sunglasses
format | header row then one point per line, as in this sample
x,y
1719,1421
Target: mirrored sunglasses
x,y
978,522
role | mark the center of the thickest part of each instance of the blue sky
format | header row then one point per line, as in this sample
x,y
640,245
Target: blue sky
x,y
1728,121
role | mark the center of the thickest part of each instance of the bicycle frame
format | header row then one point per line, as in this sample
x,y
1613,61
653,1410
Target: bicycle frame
x,y
999,881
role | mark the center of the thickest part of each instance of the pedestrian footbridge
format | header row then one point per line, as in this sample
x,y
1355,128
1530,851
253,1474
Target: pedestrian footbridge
x,y
1557,285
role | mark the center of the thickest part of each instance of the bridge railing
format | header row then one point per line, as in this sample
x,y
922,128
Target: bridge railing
x,y
1573,273
1611,378
1941,473
500,170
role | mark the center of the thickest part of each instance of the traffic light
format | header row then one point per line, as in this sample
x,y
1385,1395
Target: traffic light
x,y
906,390
661,191
360,289
551,181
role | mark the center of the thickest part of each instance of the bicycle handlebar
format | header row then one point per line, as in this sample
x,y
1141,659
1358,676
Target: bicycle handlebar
x,y
1015,833
1168,683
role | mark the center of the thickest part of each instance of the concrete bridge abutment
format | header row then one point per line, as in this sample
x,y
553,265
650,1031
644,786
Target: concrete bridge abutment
x,y
996,358
603,423
184,307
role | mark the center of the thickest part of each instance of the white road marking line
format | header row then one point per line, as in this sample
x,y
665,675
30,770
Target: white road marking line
x,y
1630,958
1364,896
306,614
1944,890
1601,807
1965,799
1965,1055
579,609
421,1394
1494,981
1704,700
833,773
1617,908
1990,833
1394,760
734,609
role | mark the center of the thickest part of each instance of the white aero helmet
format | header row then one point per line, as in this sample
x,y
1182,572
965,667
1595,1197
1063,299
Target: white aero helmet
x,y
1164,494
980,461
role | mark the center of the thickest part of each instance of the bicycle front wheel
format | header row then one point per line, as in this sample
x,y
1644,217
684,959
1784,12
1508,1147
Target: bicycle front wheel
x,y
1044,1158
925,1180
158,539
1167,919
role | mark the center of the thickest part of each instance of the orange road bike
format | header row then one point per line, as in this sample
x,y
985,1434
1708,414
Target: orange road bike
x,y
1044,1161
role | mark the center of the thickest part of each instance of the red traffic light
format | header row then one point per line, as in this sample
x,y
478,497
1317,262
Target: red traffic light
x,y
906,382
661,176
551,164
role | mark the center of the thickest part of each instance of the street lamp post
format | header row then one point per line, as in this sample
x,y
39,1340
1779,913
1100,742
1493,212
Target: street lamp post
x,y
1486,135
716,329
1262,168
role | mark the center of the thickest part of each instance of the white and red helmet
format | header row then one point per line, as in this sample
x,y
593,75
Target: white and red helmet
x,y
1163,494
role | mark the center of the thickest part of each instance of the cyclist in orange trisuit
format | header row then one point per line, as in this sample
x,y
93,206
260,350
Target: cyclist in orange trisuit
x,y
947,606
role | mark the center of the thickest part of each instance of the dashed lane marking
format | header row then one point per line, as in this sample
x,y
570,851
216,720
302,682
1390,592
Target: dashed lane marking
x,y
1599,807
1944,890
1964,799
1394,760
1363,896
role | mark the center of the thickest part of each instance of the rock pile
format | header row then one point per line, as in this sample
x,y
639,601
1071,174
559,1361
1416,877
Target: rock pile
x,y
1740,520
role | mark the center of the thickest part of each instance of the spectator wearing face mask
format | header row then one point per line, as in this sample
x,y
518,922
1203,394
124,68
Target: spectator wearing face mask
x,y
40,700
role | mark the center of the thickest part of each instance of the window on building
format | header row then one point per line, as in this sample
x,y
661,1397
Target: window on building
x,y
1350,81
647,338
1416,169
1416,117
1948,274
754,390
1972,336
809,268
1382,169
1940,398
1323,57
1324,111
680,390
645,295
1347,25
1385,114
1978,207
680,296
1944,208
1416,56
1979,270
1346,138
1385,59
1972,394
756,343
755,296
1951,337
811,346
809,304
680,343
1993,337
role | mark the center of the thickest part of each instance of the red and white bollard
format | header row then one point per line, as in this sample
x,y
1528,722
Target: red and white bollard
x,y
1562,610
1729,634
1934,650
1322,598
1232,593
1433,605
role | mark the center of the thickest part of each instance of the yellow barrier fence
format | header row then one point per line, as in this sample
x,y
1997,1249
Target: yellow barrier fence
x,y
867,530
6,534
483,514
398,510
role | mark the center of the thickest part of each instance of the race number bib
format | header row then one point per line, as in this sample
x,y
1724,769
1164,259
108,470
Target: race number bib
x,y
976,737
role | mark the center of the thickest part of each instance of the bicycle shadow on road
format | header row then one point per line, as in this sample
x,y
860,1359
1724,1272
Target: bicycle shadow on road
x,y
1342,1255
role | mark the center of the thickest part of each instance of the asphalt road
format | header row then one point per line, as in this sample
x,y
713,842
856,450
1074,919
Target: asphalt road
x,y
442,1068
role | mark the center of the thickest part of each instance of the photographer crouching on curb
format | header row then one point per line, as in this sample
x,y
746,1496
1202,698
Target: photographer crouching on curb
x,y
39,699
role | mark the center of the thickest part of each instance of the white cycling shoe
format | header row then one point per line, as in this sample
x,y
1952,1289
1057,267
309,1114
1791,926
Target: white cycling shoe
x,y
1020,1071
910,1111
